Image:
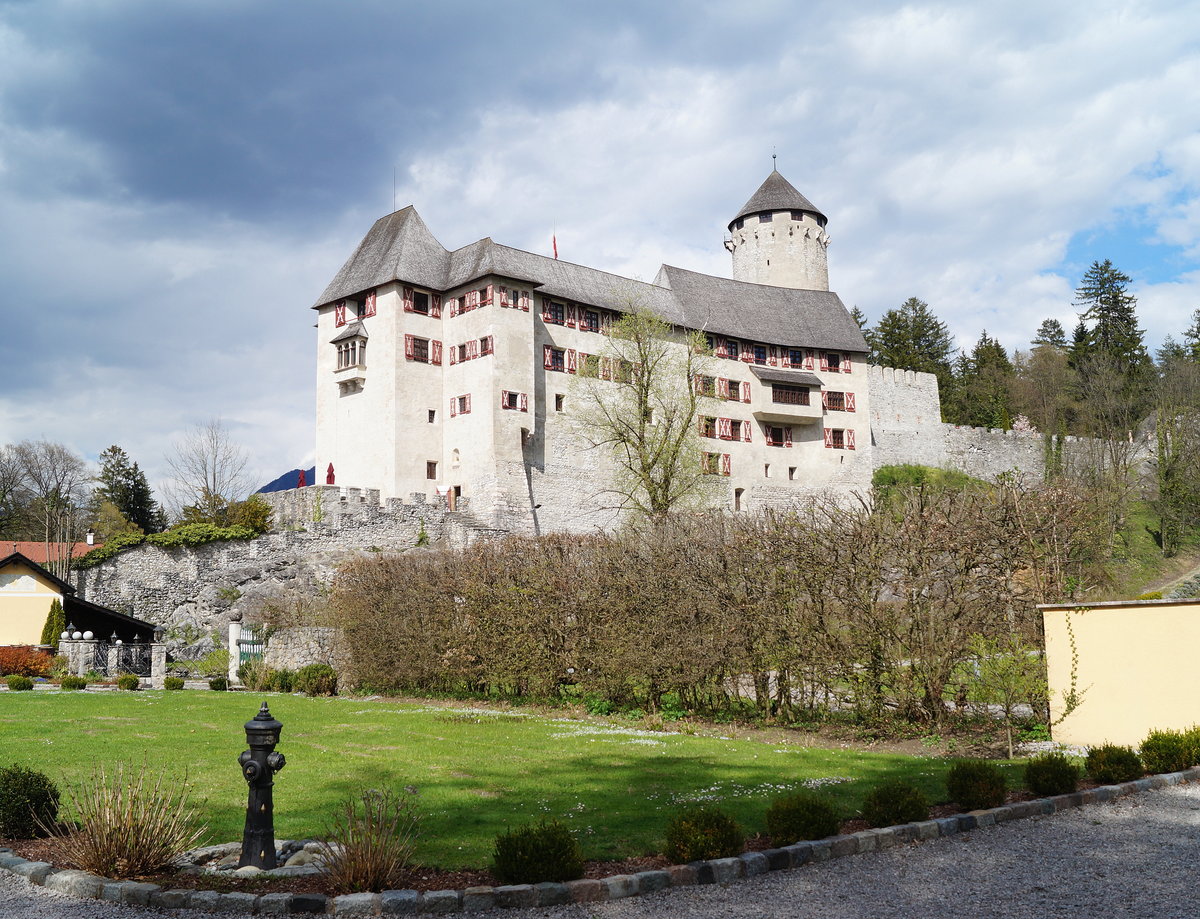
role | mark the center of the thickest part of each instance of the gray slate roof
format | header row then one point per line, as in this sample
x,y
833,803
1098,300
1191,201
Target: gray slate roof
x,y
354,330
399,247
791,377
776,194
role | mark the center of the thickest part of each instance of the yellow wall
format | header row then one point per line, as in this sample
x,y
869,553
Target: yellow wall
x,y
25,598
1136,669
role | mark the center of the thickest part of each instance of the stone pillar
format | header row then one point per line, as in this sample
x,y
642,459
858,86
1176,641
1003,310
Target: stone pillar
x,y
87,653
235,653
114,650
158,664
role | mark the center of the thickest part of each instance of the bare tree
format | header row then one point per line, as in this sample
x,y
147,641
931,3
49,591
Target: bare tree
x,y
641,397
56,480
12,487
209,473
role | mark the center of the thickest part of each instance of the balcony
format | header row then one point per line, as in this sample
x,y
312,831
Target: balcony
x,y
787,396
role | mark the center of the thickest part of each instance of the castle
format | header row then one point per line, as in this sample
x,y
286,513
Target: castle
x,y
467,393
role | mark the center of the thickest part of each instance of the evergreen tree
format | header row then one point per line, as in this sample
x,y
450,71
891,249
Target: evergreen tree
x,y
984,382
1081,346
860,317
56,624
1171,350
1107,303
124,484
1191,338
1050,333
912,337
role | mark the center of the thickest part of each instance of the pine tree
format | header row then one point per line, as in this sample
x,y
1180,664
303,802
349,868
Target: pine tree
x,y
1050,333
56,623
124,484
1107,303
911,337
984,382
1191,338
1081,346
860,317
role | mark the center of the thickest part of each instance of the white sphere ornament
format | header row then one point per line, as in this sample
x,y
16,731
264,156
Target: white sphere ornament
x,y
88,636
66,635
77,634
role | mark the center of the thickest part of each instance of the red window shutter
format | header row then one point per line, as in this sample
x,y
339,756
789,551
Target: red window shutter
x,y
545,309
453,406
722,349
787,437
845,363
547,357
824,400
700,425
726,465
489,345
849,440
849,401
490,295
696,384
435,306
339,313
467,404
748,355
773,356
824,363
746,391
408,299
472,350
435,352
525,300
524,402
570,315
746,431
808,360
504,398
829,437
722,387
369,305
572,361
408,347
723,427
453,356
503,296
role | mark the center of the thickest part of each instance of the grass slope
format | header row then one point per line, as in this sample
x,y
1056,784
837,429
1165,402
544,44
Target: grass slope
x,y
476,773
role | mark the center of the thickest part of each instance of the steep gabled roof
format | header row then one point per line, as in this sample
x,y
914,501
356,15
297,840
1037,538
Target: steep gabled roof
x,y
776,194
398,247
29,563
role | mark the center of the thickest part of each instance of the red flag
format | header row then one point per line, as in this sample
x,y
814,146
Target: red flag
x,y
300,483
329,475
555,241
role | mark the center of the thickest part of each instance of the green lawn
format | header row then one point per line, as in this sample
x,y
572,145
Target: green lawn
x,y
476,772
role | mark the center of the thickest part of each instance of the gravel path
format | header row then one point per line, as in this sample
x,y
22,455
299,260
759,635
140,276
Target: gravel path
x,y
1135,857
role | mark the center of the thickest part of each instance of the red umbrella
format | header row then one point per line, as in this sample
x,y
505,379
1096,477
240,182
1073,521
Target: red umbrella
x,y
300,482
329,475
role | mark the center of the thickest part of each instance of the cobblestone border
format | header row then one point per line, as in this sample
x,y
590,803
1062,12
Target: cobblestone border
x,y
478,899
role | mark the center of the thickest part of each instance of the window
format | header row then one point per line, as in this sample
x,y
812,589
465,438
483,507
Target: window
x,y
556,359
509,400
739,223
352,353
485,345
483,296
835,438
459,353
460,405
420,302
789,395
708,426
737,498
831,362
591,321
835,401
432,416
735,429
560,402
760,354
591,365
556,313
420,350
715,464
514,401
706,386
795,357
766,470
765,218
732,350
797,215
778,436
624,371
431,469
791,473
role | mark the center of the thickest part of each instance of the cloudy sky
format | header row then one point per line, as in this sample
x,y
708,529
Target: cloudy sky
x,y
178,181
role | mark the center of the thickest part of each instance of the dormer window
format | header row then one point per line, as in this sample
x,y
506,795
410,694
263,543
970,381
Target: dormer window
x,y
352,353
420,302
765,218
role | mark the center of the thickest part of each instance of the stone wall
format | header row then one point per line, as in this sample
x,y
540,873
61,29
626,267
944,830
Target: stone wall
x,y
293,648
193,593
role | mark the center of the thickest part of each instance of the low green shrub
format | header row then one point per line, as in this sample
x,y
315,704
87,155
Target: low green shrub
x,y
976,784
316,680
73,683
28,801
1051,774
214,664
173,682
893,803
1111,763
598,705
128,681
282,681
1168,751
219,684
702,833
18,683
803,815
536,853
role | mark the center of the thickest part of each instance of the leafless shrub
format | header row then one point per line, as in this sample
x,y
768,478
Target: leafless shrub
x,y
370,842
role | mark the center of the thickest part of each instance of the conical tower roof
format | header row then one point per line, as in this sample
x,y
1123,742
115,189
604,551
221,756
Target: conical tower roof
x,y
776,194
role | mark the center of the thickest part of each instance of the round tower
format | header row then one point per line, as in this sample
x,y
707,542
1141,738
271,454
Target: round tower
x,y
779,238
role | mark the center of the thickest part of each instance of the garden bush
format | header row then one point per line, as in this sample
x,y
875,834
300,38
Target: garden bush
x,y
214,664
129,681
1111,763
283,680
1168,751
219,684
316,680
895,802
976,784
1051,774
18,683
173,682
130,823
803,815
702,833
369,846
73,683
28,802
537,853
22,660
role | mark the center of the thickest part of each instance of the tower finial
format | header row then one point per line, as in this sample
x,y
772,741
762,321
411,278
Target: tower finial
x,y
773,159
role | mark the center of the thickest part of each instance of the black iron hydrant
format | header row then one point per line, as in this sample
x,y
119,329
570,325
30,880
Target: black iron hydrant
x,y
259,765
